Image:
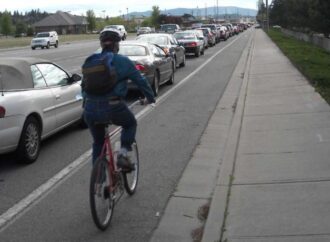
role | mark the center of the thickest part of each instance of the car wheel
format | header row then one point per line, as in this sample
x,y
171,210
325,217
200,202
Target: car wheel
x,y
29,144
202,52
155,84
56,45
48,45
183,63
33,48
171,80
197,52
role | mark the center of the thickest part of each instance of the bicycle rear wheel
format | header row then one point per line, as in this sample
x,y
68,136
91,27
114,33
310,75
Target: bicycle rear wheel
x,y
101,199
131,178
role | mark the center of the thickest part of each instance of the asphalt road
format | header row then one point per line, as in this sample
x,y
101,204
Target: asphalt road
x,y
167,136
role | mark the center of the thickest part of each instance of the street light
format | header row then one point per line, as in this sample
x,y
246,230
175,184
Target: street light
x,y
127,14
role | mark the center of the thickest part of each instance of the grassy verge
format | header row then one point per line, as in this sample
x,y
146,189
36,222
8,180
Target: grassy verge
x,y
11,42
312,61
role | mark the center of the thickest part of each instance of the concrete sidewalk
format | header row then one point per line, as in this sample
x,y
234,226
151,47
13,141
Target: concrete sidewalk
x,y
274,180
263,163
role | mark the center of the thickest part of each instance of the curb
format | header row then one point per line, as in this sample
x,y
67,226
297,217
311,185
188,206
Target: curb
x,y
215,223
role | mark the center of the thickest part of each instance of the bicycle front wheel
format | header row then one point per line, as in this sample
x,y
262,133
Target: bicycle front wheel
x,y
131,178
100,196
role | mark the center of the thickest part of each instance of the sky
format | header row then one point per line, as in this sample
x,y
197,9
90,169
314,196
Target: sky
x,y
112,8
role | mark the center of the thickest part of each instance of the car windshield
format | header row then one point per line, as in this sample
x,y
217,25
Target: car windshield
x,y
42,35
132,50
155,39
184,35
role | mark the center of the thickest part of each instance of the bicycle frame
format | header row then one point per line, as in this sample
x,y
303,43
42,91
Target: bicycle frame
x,y
108,153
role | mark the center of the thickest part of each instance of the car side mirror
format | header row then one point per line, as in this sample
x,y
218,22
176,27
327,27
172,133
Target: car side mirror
x,y
75,78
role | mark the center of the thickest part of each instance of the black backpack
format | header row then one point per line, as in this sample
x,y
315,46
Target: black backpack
x,y
98,77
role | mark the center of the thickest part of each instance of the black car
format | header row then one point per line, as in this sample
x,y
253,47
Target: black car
x,y
169,44
151,60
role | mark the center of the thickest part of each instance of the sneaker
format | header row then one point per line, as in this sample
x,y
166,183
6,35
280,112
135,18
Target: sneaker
x,y
125,163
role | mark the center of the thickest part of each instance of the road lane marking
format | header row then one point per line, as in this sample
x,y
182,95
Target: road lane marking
x,y
23,205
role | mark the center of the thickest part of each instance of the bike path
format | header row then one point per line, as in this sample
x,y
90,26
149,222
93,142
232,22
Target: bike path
x,y
275,176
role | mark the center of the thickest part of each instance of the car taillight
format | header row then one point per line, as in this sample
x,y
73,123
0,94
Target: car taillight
x,y
140,67
193,44
2,112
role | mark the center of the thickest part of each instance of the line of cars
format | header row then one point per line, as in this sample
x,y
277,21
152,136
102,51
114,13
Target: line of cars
x,y
38,98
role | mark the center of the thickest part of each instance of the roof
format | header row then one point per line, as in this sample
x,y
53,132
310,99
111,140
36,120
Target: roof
x,y
61,19
15,72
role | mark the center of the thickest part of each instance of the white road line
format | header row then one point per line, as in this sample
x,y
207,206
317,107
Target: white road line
x,y
39,193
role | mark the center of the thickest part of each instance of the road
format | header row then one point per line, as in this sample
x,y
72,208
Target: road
x,y
167,136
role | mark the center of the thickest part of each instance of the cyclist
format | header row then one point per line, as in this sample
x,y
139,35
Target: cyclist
x,y
111,106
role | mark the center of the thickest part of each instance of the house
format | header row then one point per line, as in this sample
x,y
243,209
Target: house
x,y
62,23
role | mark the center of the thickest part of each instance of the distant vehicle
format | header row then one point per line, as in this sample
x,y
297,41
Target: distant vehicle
x,y
121,28
224,33
169,44
210,36
169,28
144,30
151,60
38,98
214,30
190,42
45,39
201,36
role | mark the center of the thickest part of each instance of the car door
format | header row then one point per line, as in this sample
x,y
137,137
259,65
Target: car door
x,y
162,62
44,101
179,50
68,100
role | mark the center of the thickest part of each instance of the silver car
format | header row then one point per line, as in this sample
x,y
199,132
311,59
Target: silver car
x,y
37,99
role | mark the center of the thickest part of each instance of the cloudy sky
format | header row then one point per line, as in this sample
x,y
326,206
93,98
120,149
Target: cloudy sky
x,y
115,7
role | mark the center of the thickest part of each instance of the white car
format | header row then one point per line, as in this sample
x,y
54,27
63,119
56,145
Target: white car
x,y
120,28
45,39
37,99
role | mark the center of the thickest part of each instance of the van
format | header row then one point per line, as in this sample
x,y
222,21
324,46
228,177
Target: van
x,y
45,39
120,28
169,28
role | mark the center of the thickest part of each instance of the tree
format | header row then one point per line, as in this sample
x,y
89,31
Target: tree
x,y
20,28
6,24
155,17
320,19
91,20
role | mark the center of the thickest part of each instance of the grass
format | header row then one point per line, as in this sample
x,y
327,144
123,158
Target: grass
x,y
312,61
10,42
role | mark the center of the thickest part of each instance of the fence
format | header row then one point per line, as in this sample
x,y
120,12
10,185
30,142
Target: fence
x,y
314,39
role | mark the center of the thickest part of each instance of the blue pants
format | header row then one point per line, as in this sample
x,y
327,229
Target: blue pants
x,y
97,111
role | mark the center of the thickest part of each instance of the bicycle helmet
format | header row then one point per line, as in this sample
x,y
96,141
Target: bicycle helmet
x,y
110,34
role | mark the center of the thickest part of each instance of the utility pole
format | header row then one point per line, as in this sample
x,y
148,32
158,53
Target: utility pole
x,y
217,10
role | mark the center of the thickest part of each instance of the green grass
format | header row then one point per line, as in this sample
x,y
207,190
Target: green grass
x,y
10,42
312,61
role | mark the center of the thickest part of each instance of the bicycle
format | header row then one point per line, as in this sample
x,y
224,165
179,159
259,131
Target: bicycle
x,y
108,182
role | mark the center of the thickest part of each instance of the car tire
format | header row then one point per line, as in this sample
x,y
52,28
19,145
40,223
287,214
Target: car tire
x,y
29,144
155,84
56,44
171,80
48,45
183,63
202,52
197,52
33,48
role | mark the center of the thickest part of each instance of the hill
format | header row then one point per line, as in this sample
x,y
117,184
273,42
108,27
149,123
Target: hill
x,y
210,11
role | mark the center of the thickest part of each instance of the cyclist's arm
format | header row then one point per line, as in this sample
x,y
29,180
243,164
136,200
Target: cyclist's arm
x,y
134,75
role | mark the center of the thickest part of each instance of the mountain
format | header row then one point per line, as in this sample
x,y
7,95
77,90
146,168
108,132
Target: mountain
x,y
210,11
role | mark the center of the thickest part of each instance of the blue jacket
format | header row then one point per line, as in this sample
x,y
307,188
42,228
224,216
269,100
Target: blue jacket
x,y
125,70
